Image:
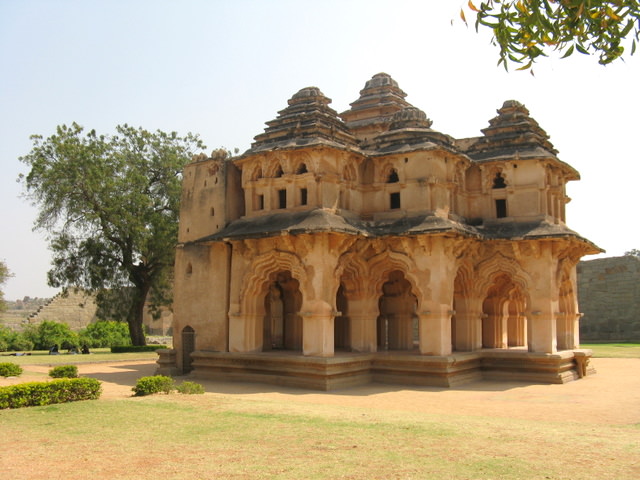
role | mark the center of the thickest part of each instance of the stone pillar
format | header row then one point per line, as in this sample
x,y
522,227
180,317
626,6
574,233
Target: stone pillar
x,y
435,330
568,330
541,331
317,330
400,331
363,325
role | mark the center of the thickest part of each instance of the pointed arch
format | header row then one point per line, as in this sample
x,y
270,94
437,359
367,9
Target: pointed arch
x,y
381,265
503,290
256,281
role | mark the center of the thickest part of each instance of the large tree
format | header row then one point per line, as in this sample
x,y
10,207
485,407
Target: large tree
x,y
4,276
527,29
110,206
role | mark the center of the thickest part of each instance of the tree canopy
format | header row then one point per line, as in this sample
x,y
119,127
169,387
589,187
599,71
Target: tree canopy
x,y
110,206
524,30
4,276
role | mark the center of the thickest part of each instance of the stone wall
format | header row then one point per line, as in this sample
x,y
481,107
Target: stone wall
x,y
76,309
609,297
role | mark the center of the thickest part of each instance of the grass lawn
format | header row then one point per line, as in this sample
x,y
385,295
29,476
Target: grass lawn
x,y
213,436
42,357
216,435
614,350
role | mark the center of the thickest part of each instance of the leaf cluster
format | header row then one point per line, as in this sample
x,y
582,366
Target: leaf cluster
x,y
524,30
110,205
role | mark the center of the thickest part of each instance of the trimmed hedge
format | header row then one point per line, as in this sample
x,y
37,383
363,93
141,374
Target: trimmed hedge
x,y
190,388
9,369
136,349
155,384
64,371
46,393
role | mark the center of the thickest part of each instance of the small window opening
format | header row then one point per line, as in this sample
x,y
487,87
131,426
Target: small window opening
x,y
279,172
501,208
212,212
498,181
393,176
282,199
301,169
189,269
303,196
260,202
394,200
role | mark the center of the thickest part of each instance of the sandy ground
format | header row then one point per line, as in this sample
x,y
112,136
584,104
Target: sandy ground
x,y
612,396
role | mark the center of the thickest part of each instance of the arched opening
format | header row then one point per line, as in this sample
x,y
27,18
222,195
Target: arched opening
x,y
341,330
302,168
278,172
503,319
188,347
392,177
397,325
282,328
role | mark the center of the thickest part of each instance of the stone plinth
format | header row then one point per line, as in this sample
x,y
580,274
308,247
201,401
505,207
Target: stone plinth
x,y
406,368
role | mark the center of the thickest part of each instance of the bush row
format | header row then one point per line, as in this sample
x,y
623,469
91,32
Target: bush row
x,y
136,349
47,334
163,384
46,393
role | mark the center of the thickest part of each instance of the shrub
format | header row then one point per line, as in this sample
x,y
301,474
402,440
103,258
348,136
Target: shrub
x,y
9,369
136,349
154,384
190,388
64,371
20,343
105,334
47,334
46,393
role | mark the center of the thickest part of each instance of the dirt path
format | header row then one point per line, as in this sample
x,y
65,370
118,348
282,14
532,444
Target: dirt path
x,y
612,396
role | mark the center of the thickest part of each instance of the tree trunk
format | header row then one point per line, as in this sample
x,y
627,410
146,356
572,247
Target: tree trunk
x,y
135,317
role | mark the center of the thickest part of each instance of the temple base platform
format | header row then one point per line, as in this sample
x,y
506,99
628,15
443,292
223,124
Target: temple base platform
x,y
344,370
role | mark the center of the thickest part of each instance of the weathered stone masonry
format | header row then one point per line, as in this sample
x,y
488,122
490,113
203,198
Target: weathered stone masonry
x,y
365,246
609,293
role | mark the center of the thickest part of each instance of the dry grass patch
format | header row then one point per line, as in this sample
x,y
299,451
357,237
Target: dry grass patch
x,y
215,436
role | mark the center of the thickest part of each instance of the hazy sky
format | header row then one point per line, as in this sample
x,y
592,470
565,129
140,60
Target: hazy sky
x,y
223,68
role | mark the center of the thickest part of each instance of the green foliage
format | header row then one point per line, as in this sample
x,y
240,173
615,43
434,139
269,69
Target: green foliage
x,y
110,206
136,348
47,393
154,384
64,371
527,29
105,334
4,276
13,341
190,388
9,369
47,334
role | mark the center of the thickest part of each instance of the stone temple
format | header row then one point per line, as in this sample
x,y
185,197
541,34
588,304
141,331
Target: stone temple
x,y
342,249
